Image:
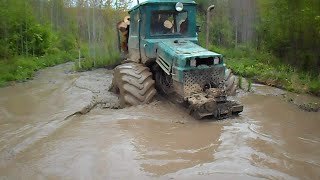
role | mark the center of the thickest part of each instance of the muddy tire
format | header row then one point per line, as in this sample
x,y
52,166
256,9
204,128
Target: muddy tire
x,y
231,83
134,84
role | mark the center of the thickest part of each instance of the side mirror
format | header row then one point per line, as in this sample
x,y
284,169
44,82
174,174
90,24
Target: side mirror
x,y
198,29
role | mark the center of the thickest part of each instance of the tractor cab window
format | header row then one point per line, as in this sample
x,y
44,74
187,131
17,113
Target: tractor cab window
x,y
169,23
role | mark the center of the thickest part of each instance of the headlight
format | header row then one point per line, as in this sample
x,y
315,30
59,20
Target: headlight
x,y
179,6
216,60
193,63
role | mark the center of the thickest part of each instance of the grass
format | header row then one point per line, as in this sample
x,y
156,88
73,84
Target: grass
x,y
23,68
267,69
99,54
104,57
20,68
88,64
249,85
240,82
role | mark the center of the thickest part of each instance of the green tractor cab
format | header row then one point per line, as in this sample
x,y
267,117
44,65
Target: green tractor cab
x,y
163,53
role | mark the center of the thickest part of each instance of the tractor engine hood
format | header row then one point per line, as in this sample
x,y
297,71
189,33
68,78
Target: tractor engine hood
x,y
186,48
184,54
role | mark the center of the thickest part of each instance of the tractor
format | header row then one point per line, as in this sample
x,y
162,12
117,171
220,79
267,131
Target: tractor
x,y
163,55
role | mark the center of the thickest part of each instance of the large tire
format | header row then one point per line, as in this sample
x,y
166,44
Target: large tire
x,y
231,83
134,84
164,83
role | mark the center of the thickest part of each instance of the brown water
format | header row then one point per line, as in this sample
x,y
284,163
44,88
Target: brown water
x,y
272,139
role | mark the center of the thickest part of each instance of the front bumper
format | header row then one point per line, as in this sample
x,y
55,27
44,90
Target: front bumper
x,y
212,102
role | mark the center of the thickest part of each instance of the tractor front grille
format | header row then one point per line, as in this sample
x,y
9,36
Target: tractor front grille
x,y
195,80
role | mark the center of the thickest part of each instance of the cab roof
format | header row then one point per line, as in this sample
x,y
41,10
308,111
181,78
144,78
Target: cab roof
x,y
162,1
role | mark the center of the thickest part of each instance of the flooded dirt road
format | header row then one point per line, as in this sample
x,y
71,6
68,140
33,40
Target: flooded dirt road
x,y
271,139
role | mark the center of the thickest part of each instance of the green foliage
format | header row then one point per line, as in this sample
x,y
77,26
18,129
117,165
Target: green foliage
x,y
110,58
267,69
284,49
23,68
240,81
67,42
6,52
221,29
19,31
288,30
37,34
2,83
99,54
315,86
39,37
202,35
203,5
249,85
291,31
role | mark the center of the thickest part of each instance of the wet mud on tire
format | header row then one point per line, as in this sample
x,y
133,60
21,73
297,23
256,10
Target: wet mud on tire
x,y
231,83
134,84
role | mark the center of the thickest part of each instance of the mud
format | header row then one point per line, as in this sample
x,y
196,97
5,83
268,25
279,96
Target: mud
x,y
305,102
65,125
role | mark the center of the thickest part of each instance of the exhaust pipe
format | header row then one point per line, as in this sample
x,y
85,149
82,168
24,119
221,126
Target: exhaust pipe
x,y
210,8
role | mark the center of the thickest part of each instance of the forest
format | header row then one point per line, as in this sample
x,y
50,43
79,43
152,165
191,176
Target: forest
x,y
275,42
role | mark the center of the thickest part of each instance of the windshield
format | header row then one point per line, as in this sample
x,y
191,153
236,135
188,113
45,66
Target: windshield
x,y
169,23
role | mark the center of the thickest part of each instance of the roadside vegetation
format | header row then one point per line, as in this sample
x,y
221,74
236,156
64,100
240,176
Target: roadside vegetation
x,y
35,34
22,68
274,42
104,59
267,69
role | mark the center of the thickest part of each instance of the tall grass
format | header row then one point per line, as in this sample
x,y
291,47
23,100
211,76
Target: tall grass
x,y
23,68
265,68
100,53
102,58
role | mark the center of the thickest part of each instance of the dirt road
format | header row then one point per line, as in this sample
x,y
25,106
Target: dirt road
x,y
272,139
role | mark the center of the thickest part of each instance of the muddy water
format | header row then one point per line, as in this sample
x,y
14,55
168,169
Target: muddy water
x,y
272,139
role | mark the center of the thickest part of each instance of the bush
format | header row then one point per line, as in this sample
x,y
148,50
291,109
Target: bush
x,y
266,69
6,52
40,39
67,42
23,68
2,83
315,87
103,59
53,51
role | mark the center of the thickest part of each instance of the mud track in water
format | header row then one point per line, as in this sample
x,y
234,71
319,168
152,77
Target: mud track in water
x,y
65,125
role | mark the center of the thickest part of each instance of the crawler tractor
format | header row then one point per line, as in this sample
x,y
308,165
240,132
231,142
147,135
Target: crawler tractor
x,y
163,54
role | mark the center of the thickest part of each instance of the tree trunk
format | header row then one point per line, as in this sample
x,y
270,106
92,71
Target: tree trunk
x,y
26,31
94,33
